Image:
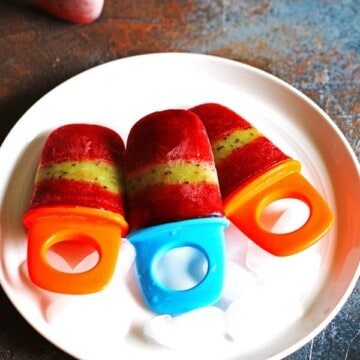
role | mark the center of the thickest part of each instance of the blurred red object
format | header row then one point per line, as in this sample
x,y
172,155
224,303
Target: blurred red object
x,y
76,11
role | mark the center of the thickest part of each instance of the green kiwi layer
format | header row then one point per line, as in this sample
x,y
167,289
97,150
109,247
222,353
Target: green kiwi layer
x,y
172,173
106,175
226,145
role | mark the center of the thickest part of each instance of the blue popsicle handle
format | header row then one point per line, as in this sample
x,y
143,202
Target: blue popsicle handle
x,y
205,235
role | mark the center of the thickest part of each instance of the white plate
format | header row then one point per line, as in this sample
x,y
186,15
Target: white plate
x,y
111,324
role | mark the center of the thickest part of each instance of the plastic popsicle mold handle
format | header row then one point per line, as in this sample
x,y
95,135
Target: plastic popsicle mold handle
x,y
203,234
48,226
245,205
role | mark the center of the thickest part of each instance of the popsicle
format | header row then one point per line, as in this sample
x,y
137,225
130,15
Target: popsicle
x,y
173,201
77,198
75,11
253,172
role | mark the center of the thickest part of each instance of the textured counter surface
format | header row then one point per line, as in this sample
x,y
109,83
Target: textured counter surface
x,y
313,45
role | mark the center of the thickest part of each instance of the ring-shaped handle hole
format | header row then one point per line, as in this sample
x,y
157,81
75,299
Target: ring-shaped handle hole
x,y
73,254
285,215
181,268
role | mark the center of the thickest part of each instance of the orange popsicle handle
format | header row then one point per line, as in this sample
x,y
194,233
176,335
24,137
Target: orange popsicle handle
x,y
245,206
98,228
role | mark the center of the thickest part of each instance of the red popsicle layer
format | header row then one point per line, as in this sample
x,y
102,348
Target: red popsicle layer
x,y
170,170
81,165
241,152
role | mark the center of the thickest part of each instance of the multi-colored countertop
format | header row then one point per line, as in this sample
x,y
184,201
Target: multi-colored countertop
x,y
312,45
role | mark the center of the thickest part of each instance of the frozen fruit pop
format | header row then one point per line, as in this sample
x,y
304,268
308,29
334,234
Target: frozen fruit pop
x,y
253,172
174,200
76,11
78,197
170,170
